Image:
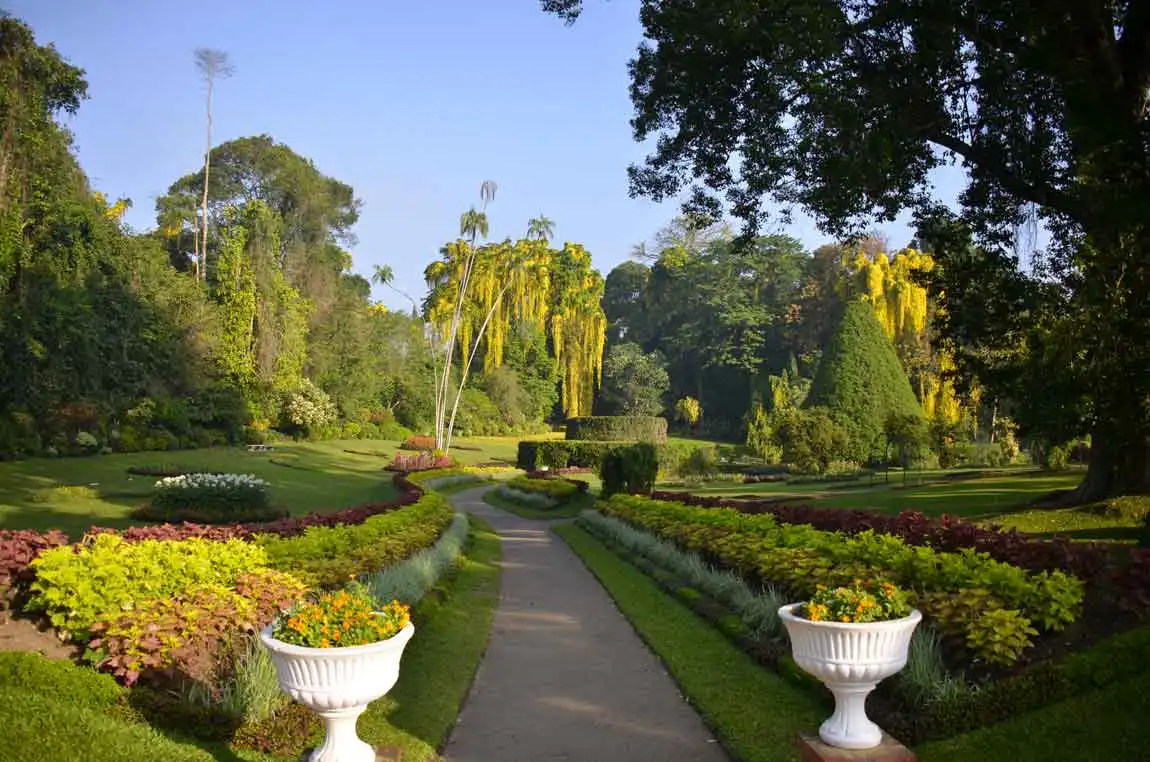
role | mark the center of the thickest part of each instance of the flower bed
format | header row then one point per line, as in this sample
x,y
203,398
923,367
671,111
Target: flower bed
x,y
925,701
993,608
423,461
1084,559
210,499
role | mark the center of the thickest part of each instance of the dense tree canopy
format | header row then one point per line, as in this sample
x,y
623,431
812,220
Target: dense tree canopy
x,y
845,108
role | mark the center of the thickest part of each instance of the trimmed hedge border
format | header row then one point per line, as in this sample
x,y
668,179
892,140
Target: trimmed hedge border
x,y
618,428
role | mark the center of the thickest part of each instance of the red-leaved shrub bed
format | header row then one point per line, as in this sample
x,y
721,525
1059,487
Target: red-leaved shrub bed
x,y
1083,559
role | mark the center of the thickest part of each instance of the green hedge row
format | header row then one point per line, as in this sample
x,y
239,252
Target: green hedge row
x,y
568,453
618,428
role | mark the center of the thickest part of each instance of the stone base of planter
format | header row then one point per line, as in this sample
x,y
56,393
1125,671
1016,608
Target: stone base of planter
x,y
813,749
382,754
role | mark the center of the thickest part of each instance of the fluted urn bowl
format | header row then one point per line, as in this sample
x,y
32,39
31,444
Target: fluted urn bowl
x,y
850,660
338,684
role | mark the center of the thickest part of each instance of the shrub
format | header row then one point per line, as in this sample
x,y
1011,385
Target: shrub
x,y
812,440
946,533
308,408
1128,507
76,586
763,435
861,382
618,428
801,557
1056,457
632,469
327,556
700,463
558,489
410,580
424,461
17,551
211,499
419,444
186,635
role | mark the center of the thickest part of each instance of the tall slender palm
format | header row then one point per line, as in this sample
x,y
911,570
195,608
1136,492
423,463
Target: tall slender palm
x,y
541,228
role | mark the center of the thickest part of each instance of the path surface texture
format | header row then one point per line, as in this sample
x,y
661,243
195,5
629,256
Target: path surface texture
x,y
565,676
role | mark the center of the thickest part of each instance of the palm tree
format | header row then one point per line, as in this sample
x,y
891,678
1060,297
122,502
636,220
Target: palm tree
x,y
541,228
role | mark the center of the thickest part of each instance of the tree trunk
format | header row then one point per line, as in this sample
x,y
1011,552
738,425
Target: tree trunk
x,y
1119,460
203,255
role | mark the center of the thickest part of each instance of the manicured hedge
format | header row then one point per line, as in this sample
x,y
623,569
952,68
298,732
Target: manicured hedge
x,y
995,608
558,489
618,428
569,453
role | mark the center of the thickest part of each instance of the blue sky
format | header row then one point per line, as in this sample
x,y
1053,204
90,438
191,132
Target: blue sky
x,y
412,104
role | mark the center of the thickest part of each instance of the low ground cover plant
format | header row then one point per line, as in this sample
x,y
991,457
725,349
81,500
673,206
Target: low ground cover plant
x,y
994,609
422,461
210,499
557,489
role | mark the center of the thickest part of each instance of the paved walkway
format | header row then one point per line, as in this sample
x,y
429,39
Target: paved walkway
x,y
565,676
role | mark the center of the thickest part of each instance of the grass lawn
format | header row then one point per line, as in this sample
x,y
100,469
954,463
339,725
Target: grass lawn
x,y
63,713
1108,724
73,494
753,712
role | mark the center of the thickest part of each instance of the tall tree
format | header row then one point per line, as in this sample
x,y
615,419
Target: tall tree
x,y
541,228
846,107
212,65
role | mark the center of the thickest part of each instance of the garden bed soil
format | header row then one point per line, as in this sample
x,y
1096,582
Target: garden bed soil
x,y
20,633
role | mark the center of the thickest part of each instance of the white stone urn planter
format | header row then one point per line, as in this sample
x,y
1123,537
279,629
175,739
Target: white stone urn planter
x,y
338,684
850,660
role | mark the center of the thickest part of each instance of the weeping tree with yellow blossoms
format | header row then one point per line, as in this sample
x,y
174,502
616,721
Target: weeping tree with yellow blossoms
x,y
901,303
478,294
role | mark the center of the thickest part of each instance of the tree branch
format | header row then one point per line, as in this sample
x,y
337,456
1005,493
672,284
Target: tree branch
x,y
1040,194
1134,55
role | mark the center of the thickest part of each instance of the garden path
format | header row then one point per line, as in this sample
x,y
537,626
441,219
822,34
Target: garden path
x,y
565,676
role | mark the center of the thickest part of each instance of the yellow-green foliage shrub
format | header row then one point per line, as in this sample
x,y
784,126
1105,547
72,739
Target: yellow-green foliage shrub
x,y
77,585
330,556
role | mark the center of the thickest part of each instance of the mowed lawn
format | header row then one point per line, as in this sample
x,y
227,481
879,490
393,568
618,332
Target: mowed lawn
x,y
73,494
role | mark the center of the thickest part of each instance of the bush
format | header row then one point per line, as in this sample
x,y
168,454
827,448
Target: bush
x,y
557,489
211,499
419,444
308,408
700,463
861,382
186,635
1056,457
812,440
618,428
330,555
963,593
76,586
631,469
424,461
17,551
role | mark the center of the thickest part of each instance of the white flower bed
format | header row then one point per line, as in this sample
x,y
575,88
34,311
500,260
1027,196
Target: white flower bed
x,y
212,481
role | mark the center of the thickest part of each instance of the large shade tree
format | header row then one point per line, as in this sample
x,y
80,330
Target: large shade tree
x,y
845,107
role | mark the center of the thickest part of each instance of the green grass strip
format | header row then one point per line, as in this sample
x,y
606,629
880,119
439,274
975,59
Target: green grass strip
x,y
1108,724
754,713
568,510
440,663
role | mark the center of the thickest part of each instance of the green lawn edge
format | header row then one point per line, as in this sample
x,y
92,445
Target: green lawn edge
x,y
754,713
570,510
437,671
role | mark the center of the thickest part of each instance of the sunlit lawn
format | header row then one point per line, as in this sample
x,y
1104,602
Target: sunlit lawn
x,y
73,494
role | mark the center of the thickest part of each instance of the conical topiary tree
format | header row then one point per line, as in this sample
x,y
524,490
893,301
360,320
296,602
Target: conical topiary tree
x,y
862,383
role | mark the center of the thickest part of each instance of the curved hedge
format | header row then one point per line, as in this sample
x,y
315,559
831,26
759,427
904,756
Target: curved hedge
x,y
618,428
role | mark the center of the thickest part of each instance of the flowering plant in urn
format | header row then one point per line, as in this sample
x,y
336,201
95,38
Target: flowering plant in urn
x,y
336,654
851,638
